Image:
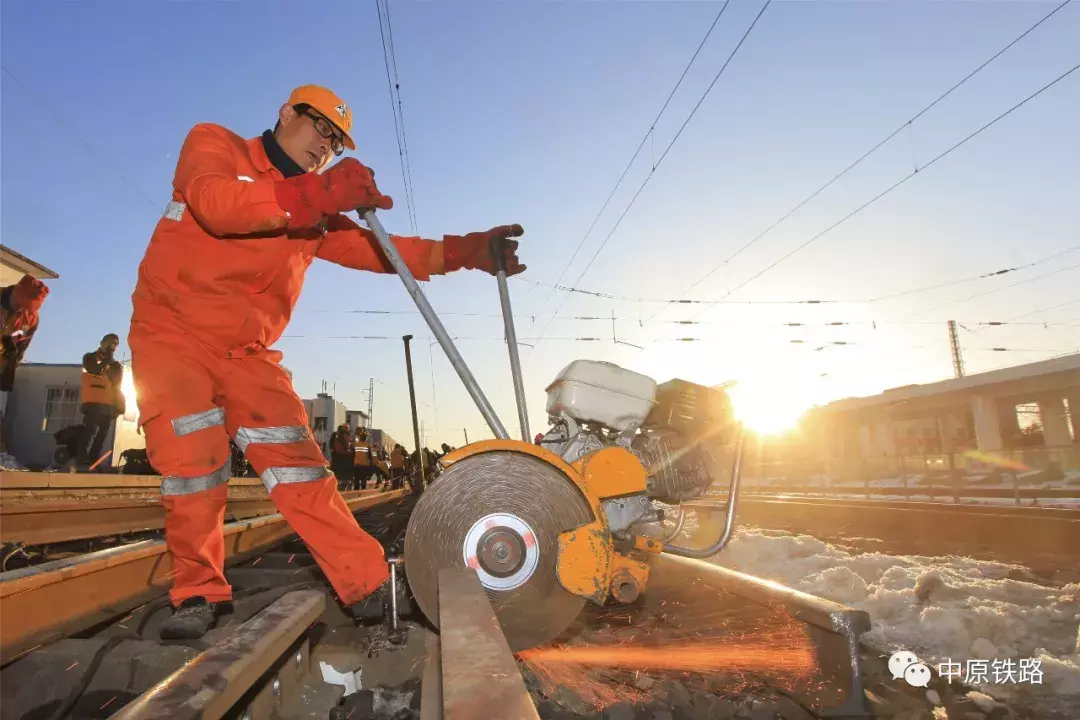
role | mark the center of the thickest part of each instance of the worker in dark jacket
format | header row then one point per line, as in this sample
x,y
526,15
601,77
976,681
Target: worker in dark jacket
x,y
341,456
19,306
102,399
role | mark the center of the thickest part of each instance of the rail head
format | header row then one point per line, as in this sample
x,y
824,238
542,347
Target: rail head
x,y
211,684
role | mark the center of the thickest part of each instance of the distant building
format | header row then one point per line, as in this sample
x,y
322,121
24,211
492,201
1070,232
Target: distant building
x,y
382,439
14,265
46,399
324,415
357,419
1032,409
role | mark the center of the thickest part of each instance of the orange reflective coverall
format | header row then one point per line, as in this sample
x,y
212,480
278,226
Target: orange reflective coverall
x,y
216,289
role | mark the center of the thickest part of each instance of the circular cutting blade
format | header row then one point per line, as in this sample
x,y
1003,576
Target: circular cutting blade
x,y
500,513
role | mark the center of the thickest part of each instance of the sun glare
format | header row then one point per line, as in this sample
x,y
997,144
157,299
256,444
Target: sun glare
x,y
127,387
768,408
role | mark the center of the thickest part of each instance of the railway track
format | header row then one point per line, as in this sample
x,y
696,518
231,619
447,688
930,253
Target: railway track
x,y
79,640
88,624
1044,539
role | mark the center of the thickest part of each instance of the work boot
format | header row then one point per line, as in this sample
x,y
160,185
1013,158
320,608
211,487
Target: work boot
x,y
376,606
190,621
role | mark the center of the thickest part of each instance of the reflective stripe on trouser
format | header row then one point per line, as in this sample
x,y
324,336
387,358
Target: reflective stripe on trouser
x,y
304,490
274,475
194,514
353,561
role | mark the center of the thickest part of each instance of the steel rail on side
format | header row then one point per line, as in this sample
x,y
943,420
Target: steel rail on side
x,y
1027,535
684,585
45,602
115,512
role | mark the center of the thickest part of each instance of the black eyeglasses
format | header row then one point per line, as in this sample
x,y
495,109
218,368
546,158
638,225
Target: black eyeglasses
x,y
325,128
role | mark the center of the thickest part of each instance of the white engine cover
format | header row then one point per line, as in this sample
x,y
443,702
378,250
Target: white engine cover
x,y
590,391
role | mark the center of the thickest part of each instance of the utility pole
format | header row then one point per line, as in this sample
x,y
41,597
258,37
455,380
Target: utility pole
x,y
466,431
371,403
412,402
954,345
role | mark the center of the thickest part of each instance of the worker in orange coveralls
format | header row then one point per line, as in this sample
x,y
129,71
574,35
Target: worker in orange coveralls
x,y
216,288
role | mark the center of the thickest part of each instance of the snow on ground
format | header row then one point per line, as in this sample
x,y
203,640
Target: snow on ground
x,y
949,609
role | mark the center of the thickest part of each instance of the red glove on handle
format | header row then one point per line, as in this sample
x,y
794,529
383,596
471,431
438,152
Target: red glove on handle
x,y
475,250
310,197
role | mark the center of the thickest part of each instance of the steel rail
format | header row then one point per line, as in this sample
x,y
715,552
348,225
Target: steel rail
x,y
62,517
940,490
208,687
59,480
680,585
56,599
1034,536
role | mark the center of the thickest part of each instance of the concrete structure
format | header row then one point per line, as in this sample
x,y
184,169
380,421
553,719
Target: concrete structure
x,y
357,419
46,399
14,265
952,417
324,415
382,439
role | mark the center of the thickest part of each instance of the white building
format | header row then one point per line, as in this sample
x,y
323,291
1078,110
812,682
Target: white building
x,y
45,399
324,415
357,419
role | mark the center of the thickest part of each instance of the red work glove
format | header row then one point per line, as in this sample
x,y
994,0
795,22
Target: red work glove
x,y
348,185
476,251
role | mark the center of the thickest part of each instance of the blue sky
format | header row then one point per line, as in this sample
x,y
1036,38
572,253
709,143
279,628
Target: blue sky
x,y
528,112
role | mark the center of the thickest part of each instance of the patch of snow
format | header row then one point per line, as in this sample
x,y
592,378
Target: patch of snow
x,y
947,609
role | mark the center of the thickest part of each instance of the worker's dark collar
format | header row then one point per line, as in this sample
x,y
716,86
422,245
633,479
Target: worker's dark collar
x,y
285,164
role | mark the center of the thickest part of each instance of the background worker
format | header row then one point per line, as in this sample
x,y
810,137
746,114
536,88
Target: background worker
x,y
19,306
216,289
397,467
341,455
102,399
363,461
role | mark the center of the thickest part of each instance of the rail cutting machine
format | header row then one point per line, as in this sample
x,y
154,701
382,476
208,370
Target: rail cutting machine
x,y
574,518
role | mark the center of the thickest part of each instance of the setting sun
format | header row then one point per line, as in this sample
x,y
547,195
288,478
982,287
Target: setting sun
x,y
767,408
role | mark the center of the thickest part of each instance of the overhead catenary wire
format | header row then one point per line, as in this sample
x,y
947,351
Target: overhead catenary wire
x,y
394,87
995,273
995,290
874,149
856,301
637,321
816,344
85,143
648,134
663,155
903,180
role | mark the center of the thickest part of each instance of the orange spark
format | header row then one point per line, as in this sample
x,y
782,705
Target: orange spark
x,y
598,673
107,703
715,656
73,664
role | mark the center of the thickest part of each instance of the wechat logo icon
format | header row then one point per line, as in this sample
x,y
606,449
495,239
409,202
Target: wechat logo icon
x,y
904,665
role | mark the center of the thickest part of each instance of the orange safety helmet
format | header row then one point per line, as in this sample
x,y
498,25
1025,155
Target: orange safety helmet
x,y
332,107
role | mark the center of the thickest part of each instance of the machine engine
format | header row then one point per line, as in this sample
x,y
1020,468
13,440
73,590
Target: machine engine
x,y
676,430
